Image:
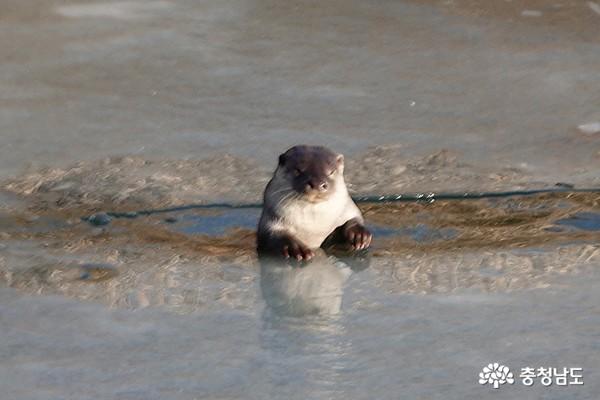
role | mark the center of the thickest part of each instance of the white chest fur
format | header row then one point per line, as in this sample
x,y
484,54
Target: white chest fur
x,y
312,223
309,222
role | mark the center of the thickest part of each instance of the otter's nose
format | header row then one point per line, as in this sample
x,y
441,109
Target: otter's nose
x,y
317,184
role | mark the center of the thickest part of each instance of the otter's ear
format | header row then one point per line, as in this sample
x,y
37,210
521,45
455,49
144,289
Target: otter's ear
x,y
282,160
339,162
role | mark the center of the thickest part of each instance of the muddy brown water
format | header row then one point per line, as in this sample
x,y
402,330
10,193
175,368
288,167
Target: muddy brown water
x,y
402,230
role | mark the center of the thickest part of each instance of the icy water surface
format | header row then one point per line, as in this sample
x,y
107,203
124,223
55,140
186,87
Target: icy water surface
x,y
187,79
320,331
177,306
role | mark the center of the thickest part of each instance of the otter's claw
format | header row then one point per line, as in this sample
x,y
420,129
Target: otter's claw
x,y
294,249
358,236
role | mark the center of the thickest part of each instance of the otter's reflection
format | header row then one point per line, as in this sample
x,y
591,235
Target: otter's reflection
x,y
309,288
302,322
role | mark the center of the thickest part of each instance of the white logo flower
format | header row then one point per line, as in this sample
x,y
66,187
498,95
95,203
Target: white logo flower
x,y
496,375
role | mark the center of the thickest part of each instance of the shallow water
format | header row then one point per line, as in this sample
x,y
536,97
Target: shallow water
x,y
586,221
130,105
381,343
222,221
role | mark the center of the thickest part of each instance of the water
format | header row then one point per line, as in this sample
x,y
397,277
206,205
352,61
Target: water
x,y
221,221
146,309
187,79
381,344
587,221
130,105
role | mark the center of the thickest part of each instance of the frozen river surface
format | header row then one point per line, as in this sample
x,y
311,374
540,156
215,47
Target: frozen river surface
x,y
187,79
383,345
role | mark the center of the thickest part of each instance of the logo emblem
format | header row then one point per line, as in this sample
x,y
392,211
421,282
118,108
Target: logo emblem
x,y
496,375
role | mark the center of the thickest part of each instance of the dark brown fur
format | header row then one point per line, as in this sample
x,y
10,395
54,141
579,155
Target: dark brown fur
x,y
306,202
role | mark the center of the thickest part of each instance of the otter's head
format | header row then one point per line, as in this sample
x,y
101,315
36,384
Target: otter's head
x,y
312,171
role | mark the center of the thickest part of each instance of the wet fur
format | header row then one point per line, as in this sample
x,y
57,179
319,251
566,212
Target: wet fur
x,y
289,215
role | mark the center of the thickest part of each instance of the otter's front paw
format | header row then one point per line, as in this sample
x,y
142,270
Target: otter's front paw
x,y
358,236
292,248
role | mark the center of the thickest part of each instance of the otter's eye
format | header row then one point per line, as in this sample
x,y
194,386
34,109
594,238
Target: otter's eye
x,y
331,172
297,172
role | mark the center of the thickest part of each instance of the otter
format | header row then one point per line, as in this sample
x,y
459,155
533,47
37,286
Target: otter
x,y
306,203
